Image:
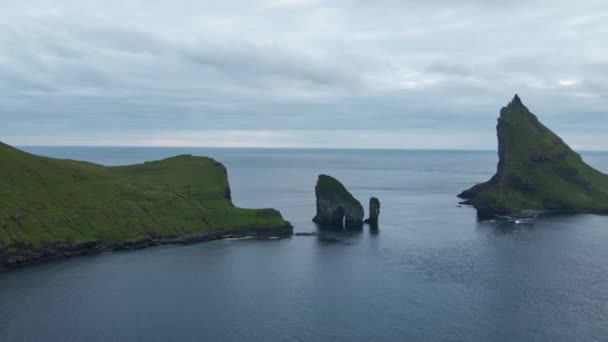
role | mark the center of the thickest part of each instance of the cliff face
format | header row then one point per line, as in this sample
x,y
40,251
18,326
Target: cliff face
x,y
52,208
335,205
537,171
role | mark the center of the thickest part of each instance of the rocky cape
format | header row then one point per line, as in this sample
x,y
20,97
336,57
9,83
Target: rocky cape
x,y
537,172
335,205
52,208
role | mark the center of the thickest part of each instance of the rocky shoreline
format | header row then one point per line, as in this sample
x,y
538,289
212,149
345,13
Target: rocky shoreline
x,y
537,213
25,256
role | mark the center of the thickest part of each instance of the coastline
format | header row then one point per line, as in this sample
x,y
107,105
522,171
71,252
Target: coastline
x,y
62,251
534,213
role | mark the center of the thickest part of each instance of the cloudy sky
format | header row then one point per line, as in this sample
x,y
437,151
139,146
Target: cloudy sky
x,y
299,73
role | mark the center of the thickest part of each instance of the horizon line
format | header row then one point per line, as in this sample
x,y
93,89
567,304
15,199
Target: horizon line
x,y
265,147
284,148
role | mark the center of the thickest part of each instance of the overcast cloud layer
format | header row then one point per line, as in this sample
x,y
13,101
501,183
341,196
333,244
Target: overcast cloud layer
x,y
299,73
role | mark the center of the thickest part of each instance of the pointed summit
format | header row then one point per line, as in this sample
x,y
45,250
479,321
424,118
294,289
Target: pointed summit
x,y
536,171
516,100
517,104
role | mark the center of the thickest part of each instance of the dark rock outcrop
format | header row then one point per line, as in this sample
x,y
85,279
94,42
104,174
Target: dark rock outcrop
x,y
335,205
305,234
374,211
537,172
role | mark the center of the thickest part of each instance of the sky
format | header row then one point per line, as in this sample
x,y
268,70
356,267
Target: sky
x,y
299,73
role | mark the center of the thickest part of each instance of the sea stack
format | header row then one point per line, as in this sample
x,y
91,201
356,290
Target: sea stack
x,y
335,205
537,172
374,211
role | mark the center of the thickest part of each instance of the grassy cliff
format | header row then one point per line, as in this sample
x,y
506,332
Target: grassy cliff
x,y
537,171
48,205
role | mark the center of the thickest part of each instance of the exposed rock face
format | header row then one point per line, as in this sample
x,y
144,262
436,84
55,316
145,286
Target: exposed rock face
x,y
335,205
536,171
306,234
374,211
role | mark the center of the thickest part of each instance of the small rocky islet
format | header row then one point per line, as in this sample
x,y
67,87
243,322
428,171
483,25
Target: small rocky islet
x,y
337,207
537,172
374,211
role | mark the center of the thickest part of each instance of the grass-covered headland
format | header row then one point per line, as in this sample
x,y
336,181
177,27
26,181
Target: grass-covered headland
x,y
53,208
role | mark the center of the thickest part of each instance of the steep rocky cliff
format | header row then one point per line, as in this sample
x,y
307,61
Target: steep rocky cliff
x,y
335,205
537,172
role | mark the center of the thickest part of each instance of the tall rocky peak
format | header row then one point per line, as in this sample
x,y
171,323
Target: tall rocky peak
x,y
335,205
516,113
536,170
521,136
516,102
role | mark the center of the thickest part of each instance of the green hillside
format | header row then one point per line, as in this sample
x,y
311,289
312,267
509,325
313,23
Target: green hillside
x,y
536,171
48,204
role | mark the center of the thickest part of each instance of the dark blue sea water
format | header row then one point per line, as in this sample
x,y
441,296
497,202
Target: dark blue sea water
x,y
431,272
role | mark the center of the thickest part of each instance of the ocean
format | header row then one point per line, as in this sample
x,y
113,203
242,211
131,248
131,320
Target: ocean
x,y
430,272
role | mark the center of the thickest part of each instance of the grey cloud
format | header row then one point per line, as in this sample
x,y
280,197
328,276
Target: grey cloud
x,y
449,69
250,59
138,66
